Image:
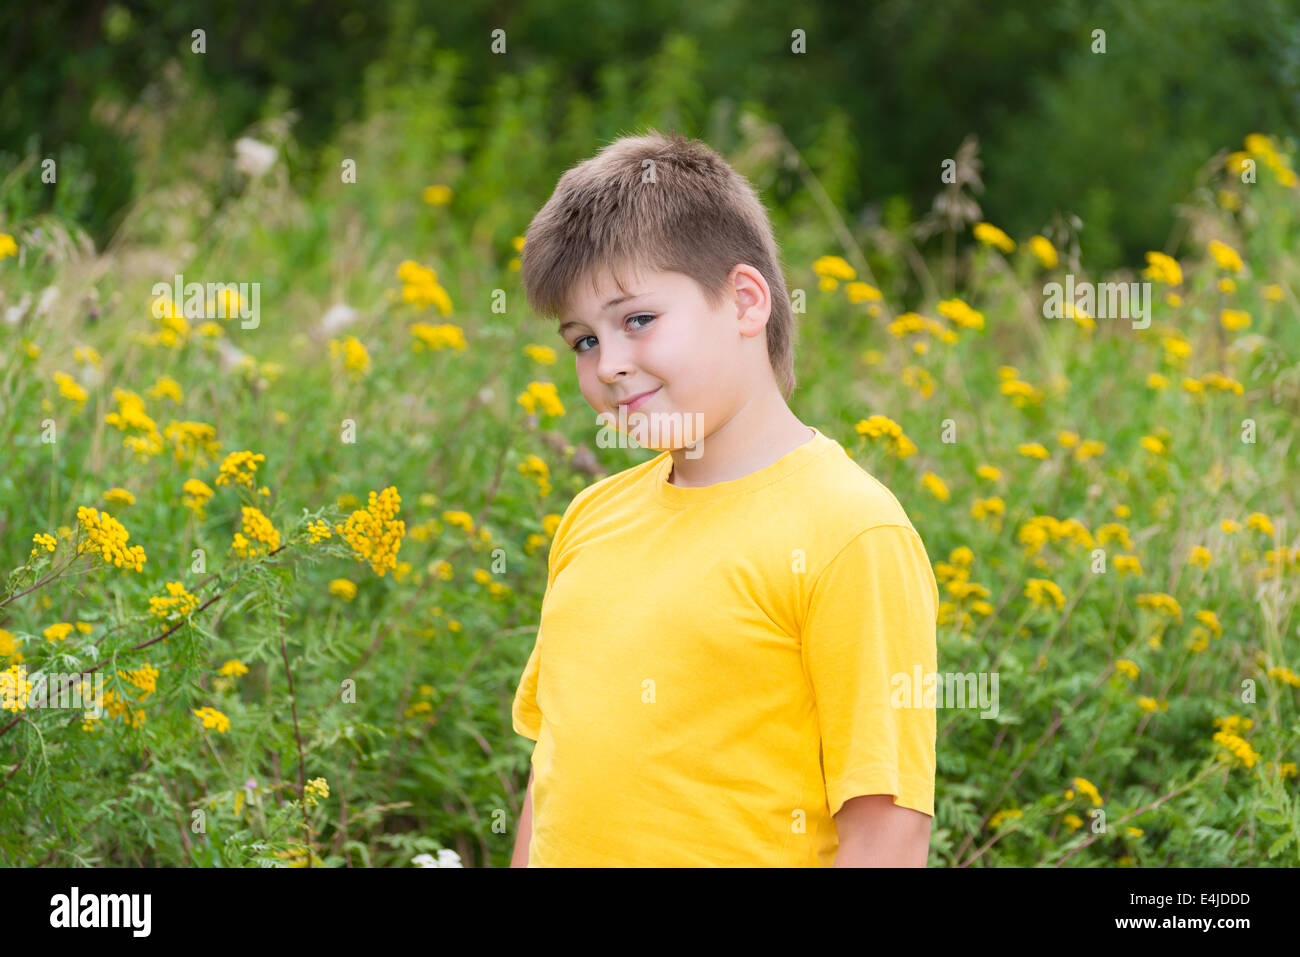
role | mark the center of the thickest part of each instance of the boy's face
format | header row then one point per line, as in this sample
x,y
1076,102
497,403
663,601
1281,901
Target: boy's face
x,y
702,364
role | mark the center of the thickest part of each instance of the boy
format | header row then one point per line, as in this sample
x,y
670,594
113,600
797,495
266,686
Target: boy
x,y
722,624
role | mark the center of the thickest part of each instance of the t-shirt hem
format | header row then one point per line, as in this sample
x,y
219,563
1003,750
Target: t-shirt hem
x,y
908,791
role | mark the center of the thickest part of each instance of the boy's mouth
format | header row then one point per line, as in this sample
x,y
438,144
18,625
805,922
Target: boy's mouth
x,y
638,400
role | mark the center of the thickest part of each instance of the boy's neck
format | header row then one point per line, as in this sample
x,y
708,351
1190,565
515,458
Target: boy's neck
x,y
752,439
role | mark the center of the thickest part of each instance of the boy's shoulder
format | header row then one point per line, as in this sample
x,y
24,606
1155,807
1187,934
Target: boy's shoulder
x,y
840,489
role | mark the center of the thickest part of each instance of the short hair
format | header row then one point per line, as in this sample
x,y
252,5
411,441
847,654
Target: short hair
x,y
697,216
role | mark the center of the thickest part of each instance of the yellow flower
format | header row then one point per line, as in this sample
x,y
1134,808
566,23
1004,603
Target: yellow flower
x,y
1199,555
834,268
356,360
212,718
178,603
1127,668
1272,292
543,394
1162,603
343,588
107,536
961,314
1234,319
375,532
438,195
862,292
1042,247
257,531
1173,299
1067,439
7,246
318,531
1225,256
1226,285
1133,831
990,235
1009,814
984,507
1285,674
1041,591
240,468
1151,704
543,354
1128,563
443,336
1033,450
166,388
988,472
1211,620
44,541
15,689
233,668
1163,269
1229,526
884,428
1089,448
1086,787
535,467
119,496
1073,821
58,632
1259,522
1152,445
69,389
935,486
195,494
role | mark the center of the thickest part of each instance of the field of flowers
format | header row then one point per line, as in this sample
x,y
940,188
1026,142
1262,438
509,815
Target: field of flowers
x,y
303,546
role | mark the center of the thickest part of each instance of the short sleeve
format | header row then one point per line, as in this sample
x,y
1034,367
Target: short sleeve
x,y
869,630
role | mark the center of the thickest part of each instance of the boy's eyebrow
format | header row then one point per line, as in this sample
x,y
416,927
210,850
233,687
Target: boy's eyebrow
x,y
609,305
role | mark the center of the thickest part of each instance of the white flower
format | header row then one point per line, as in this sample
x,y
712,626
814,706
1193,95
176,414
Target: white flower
x,y
339,317
446,858
253,156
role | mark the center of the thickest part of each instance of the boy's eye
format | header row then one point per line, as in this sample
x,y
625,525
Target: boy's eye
x,y
640,315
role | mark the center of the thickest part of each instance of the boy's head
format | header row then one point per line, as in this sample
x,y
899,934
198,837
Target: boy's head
x,y
666,217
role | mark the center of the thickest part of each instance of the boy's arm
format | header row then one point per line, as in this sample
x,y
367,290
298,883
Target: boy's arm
x,y
520,856
876,832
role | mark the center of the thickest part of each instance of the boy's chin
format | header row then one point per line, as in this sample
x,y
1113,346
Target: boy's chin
x,y
659,432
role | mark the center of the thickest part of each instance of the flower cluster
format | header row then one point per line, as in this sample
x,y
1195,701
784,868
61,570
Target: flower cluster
x,y
990,235
433,338
239,468
192,441
420,287
177,603
356,360
1086,788
107,536
375,532
1233,744
131,417
258,536
212,718
318,531
534,467
316,787
886,429
542,393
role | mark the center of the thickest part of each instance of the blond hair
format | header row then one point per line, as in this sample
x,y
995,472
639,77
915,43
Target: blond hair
x,y
685,211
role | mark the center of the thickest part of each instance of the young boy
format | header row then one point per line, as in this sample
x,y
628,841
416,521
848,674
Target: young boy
x,y
724,626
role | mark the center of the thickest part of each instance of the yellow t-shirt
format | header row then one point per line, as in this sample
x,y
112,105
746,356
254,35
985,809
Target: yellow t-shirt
x,y
711,678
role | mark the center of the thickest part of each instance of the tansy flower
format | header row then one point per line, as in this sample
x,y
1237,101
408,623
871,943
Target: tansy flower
x,y
375,532
1225,256
1272,292
58,632
988,472
1234,319
239,468
1151,704
1162,603
535,467
1226,285
318,531
1041,591
1086,788
1210,620
1034,450
1199,555
543,354
832,270
257,531
119,496
356,360
1285,674
990,235
7,246
862,292
890,432
41,540
1042,247
984,507
1229,526
445,335
1152,444
107,536
1127,668
1163,269
69,389
1259,522
15,689
1073,821
195,495
1009,814
1089,448
343,588
166,388
212,718
233,668
961,314
437,195
543,394
1128,564
935,486
177,603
